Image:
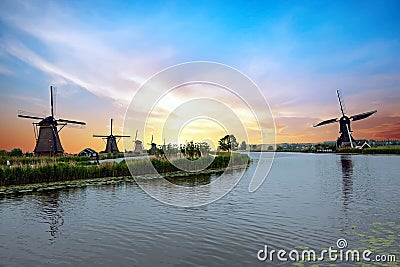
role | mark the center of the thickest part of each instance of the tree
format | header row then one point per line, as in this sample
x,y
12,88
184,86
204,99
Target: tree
x,y
204,148
243,145
16,152
192,150
228,142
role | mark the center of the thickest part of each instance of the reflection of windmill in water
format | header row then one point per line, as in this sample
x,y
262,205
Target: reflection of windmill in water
x,y
345,138
138,149
112,140
46,131
347,178
52,212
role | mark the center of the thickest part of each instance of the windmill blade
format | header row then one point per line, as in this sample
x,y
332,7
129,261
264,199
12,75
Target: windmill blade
x,y
340,101
122,135
54,130
326,122
30,117
51,101
102,136
362,115
349,133
73,122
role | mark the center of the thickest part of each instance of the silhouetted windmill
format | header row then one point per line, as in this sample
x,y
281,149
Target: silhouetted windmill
x,y
153,148
112,140
138,149
345,138
47,138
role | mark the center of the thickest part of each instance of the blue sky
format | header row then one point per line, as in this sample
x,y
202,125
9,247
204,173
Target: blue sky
x,y
298,53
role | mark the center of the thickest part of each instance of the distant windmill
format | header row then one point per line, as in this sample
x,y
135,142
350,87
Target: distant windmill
x,y
112,140
47,138
345,138
153,148
138,145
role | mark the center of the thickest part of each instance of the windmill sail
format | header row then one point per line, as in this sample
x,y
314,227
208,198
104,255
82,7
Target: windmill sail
x,y
341,104
345,138
30,117
326,122
70,121
362,115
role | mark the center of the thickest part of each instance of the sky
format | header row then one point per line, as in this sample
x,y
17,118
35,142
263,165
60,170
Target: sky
x,y
298,53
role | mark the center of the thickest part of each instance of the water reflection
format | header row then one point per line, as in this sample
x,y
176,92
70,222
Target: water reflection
x,y
197,189
52,212
297,206
347,178
191,181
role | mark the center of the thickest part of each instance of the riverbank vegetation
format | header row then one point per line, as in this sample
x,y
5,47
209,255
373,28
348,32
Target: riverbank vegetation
x,y
372,150
67,169
395,150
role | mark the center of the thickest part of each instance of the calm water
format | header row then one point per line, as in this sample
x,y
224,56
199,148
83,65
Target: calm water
x,y
307,201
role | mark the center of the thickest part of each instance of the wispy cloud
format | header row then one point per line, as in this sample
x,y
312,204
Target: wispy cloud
x,y
81,55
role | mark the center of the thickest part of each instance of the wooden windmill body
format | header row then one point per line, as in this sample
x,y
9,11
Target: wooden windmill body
x,y
138,148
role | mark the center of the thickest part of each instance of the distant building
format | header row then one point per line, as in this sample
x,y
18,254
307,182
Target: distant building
x,y
362,145
262,147
88,152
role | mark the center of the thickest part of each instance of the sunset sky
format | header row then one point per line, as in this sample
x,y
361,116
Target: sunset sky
x,y
98,53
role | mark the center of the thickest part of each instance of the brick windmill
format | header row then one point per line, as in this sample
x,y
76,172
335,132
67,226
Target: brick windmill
x,y
111,140
345,139
46,131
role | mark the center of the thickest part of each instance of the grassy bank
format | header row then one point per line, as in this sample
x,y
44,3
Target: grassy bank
x,y
373,150
71,170
31,160
382,150
394,150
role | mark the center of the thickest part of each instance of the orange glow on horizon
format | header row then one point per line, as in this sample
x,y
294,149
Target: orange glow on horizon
x,y
18,133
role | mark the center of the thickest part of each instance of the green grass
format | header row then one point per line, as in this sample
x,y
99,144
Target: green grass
x,y
382,150
373,150
23,160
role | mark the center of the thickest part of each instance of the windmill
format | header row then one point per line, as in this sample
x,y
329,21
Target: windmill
x,y
153,148
46,131
345,138
138,145
112,140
